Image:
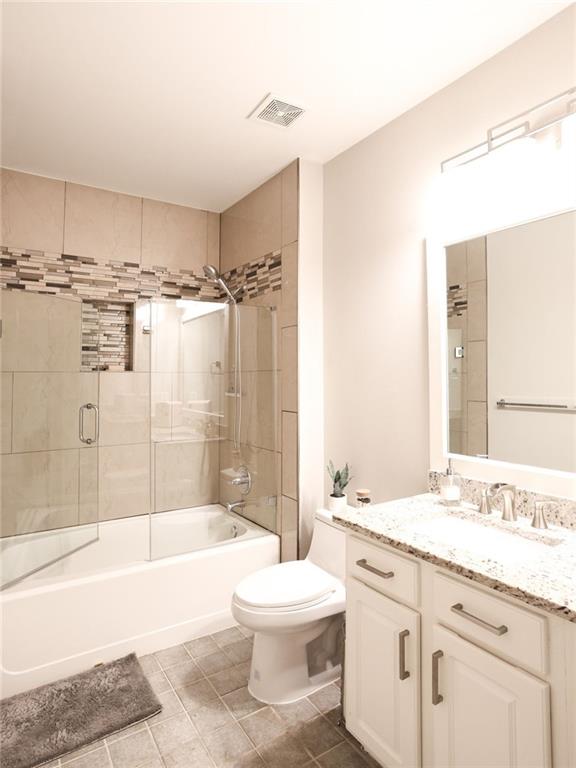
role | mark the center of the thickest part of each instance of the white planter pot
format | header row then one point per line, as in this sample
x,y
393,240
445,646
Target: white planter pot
x,y
337,503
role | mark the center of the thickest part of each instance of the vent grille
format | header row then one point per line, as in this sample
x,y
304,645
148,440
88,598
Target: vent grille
x,y
275,111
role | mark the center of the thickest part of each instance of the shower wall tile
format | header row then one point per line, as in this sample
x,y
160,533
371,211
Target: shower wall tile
x,y
46,406
476,259
39,491
203,342
259,409
6,382
197,405
124,481
289,311
290,454
40,333
213,247
32,211
161,406
124,408
290,203
477,326
262,464
174,236
186,474
252,227
88,485
289,367
477,444
102,225
289,529
477,370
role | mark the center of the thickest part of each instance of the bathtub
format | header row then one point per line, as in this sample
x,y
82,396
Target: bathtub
x,y
109,598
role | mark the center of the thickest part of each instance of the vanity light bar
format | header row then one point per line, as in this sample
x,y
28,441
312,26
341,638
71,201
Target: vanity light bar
x,y
541,116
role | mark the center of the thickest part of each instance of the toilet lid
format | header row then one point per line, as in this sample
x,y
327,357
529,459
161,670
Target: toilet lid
x,y
286,584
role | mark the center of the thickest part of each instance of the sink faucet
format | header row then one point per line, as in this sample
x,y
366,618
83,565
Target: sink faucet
x,y
234,505
508,493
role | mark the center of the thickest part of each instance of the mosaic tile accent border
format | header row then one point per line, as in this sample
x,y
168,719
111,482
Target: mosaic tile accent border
x,y
563,513
258,277
457,300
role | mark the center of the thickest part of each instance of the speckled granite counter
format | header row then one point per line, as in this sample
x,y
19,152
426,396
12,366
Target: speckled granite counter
x,y
535,566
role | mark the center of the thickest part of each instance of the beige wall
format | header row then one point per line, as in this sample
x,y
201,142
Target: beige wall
x,y
59,217
266,222
376,207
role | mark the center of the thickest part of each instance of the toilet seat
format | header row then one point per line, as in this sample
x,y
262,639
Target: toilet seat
x,y
291,586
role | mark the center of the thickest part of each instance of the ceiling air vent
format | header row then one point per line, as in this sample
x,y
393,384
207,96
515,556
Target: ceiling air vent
x,y
274,110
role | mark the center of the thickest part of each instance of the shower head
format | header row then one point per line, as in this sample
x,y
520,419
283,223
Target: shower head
x,y
212,274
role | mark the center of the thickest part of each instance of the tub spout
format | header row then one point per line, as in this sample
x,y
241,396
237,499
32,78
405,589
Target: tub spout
x,y
233,506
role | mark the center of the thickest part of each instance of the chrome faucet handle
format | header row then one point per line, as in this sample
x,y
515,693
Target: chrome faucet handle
x,y
539,518
485,505
508,493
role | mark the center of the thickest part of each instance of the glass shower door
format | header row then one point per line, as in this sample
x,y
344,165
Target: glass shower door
x,y
49,422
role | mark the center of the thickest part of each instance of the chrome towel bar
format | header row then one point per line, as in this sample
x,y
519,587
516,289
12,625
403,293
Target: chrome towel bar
x,y
563,407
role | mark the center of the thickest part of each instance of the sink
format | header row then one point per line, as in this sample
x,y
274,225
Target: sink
x,y
493,541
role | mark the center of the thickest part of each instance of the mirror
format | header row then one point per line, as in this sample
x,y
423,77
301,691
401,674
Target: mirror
x,y
511,344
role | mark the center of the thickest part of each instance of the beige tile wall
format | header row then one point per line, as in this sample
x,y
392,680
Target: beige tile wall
x,y
266,221
61,217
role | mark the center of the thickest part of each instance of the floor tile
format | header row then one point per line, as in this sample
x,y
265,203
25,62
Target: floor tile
x,y
196,695
318,735
82,751
184,674
227,636
240,651
285,752
263,726
97,758
201,646
171,705
326,698
214,662
227,745
126,732
228,680
170,657
190,755
159,682
245,631
211,716
132,751
296,712
250,760
342,756
172,733
241,703
149,664
155,763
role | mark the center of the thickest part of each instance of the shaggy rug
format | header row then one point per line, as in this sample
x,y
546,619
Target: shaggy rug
x,y
55,719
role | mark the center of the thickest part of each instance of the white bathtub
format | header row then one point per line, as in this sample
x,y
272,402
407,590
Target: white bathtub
x,y
107,599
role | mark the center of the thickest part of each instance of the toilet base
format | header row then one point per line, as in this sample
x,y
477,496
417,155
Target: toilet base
x,y
289,665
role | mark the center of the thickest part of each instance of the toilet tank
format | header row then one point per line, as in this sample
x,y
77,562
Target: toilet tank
x,y
328,547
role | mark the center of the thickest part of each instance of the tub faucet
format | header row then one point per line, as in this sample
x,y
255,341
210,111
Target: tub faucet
x,y
234,505
508,493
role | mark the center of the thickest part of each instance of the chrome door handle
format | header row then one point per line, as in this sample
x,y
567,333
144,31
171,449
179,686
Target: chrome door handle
x,y
383,574
402,671
437,698
458,609
81,411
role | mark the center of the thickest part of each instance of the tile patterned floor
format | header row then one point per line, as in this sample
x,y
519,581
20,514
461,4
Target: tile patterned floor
x,y
209,720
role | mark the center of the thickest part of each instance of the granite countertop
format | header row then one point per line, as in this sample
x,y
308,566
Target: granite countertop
x,y
536,566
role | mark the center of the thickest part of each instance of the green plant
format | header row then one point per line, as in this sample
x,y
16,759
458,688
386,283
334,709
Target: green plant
x,y
340,479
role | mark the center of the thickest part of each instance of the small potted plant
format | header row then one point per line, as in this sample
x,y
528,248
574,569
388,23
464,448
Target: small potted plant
x,y
338,500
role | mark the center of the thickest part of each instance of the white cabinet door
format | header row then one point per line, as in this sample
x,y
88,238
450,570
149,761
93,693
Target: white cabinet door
x,y
382,676
485,712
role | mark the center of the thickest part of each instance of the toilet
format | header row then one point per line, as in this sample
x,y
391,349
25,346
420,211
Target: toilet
x,y
296,611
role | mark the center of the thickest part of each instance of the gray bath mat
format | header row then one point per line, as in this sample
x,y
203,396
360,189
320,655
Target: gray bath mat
x,y
55,719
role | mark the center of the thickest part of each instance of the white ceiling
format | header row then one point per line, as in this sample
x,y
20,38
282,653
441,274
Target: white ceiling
x,y
152,98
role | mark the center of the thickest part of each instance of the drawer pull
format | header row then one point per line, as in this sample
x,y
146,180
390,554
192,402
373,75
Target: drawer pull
x,y
367,567
437,698
458,609
402,671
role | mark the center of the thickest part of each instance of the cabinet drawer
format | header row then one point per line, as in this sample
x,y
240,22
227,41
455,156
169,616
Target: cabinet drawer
x,y
387,572
511,632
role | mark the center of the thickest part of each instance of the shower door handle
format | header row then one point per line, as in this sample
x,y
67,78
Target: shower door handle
x,y
81,412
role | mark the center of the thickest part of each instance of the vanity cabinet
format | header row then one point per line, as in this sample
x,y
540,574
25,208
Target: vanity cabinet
x,y
383,673
443,673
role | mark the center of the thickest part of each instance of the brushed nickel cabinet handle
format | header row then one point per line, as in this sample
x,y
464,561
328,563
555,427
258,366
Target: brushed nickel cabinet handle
x,y
402,671
81,411
437,698
383,574
458,609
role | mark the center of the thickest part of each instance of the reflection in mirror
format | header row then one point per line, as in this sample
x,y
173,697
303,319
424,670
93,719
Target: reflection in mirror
x,y
511,344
